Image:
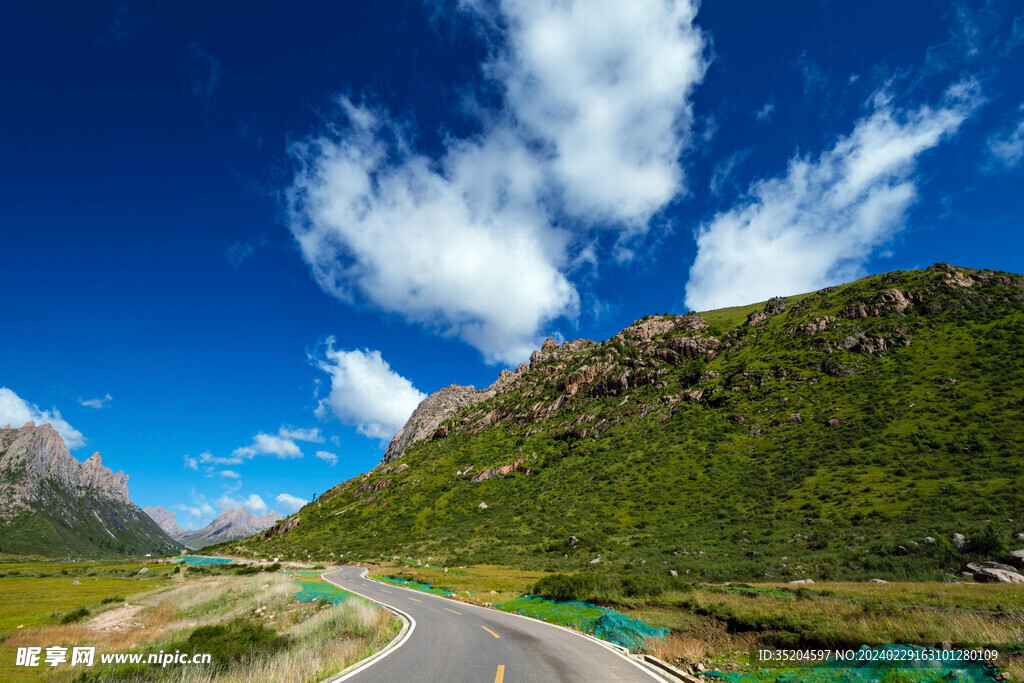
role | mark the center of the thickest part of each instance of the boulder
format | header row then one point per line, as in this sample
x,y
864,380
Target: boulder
x,y
959,540
994,572
802,581
1018,557
878,581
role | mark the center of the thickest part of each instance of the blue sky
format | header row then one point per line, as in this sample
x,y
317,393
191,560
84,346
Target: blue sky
x,y
237,237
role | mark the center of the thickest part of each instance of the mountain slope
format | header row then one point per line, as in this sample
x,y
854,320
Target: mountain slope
x,y
826,434
227,526
166,519
53,505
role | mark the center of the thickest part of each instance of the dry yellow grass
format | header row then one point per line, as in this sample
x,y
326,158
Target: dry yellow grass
x,y
325,639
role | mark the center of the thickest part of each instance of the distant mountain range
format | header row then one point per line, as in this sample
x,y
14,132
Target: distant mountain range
x,y
868,429
53,505
228,526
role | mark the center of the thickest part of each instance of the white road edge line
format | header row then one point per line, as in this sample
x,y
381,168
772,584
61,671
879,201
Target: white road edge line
x,y
616,649
373,659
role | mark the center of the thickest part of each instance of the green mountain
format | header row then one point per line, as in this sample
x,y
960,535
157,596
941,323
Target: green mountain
x,y
847,433
54,506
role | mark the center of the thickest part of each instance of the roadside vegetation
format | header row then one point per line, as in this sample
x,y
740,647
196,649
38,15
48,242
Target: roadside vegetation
x,y
719,626
247,619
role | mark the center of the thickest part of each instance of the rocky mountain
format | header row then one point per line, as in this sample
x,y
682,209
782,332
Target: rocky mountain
x,y
228,525
51,504
166,519
826,434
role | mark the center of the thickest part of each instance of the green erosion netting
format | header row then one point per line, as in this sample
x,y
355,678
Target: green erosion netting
x,y
874,667
415,585
199,560
319,590
602,622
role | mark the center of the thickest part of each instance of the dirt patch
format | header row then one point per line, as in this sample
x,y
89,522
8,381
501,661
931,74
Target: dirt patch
x,y
120,619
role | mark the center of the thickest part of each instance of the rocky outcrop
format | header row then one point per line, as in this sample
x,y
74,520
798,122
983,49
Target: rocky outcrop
x,y
282,527
166,519
37,454
994,572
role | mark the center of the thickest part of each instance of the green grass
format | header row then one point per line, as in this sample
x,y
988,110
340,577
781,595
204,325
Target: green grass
x,y
728,487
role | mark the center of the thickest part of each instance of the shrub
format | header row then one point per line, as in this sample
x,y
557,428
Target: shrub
x,y
276,567
568,587
73,615
248,569
113,598
235,641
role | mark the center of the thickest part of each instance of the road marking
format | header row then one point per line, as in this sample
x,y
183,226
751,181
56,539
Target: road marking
x,y
500,676
492,633
415,600
453,611
384,591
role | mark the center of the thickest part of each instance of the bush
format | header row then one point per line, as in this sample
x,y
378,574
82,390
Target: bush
x,y
248,569
235,641
73,615
276,567
567,587
113,598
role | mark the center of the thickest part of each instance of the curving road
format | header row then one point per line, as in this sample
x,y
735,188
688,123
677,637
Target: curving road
x,y
453,641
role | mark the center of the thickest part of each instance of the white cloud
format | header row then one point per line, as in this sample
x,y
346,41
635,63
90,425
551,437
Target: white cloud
x,y
281,445
191,463
476,243
255,504
200,512
96,402
311,435
816,224
1008,148
328,457
366,392
289,503
230,474
765,113
16,411
605,85
723,171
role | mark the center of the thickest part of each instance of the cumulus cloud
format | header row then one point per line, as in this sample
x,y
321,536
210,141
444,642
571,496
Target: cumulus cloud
x,y
476,243
96,402
281,445
366,392
191,463
16,411
817,223
289,503
328,457
230,474
1008,148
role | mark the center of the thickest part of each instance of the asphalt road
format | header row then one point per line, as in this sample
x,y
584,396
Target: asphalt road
x,y
453,641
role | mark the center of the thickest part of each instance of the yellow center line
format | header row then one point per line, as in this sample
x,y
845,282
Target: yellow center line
x,y
500,676
490,631
415,600
384,590
364,585
453,611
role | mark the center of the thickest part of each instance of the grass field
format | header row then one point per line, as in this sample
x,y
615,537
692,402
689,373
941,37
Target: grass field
x,y
718,626
251,623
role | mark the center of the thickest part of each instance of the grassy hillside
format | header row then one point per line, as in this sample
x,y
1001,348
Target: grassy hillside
x,y
824,435
88,526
